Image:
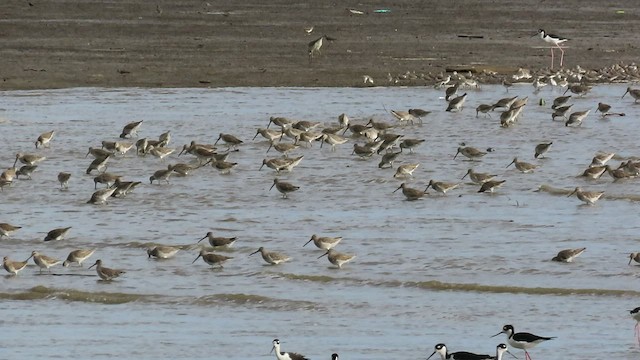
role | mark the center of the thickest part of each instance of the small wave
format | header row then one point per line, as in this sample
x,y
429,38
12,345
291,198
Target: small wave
x,y
43,293
498,289
559,191
257,301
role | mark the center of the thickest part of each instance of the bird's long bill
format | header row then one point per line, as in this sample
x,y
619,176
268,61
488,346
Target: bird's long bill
x,y
454,156
433,353
29,258
497,334
399,187
88,152
625,93
261,166
509,352
274,184
465,175
203,238
255,252
428,186
270,146
305,244
573,192
218,139
630,259
94,264
273,348
325,254
196,258
256,135
184,148
514,160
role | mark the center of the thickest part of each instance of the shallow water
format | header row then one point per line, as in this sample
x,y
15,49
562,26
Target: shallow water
x,y
450,269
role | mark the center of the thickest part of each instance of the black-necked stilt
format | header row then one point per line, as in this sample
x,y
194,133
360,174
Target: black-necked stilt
x,y
522,340
281,355
500,350
635,314
458,355
555,40
334,356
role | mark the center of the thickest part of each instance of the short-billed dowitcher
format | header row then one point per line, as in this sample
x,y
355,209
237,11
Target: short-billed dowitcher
x,y
333,140
182,169
45,138
278,121
634,256
387,159
588,197
57,234
478,178
122,147
9,174
105,178
336,258
560,101
504,103
101,196
405,170
43,261
441,349
485,109
98,164
411,193
14,267
131,129
635,94
283,187
277,164
98,153
594,172
601,159
217,241
561,111
441,186
324,242
410,144
603,108
524,167
160,152
470,152
230,140
271,257
578,89
123,188
576,118
419,113
542,149
162,175
522,340
308,137
306,125
363,151
568,255
78,256
403,116
223,166
7,229
271,135
28,159
104,273
491,185
212,259
450,91
165,138
283,148
162,252
26,170
457,103
281,355
618,174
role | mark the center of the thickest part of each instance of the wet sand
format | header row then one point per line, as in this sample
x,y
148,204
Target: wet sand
x,y
58,43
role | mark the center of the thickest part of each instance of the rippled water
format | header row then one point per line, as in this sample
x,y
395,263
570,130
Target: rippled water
x,y
450,269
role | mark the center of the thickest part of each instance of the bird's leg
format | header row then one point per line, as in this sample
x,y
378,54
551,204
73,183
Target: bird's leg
x,y
551,48
561,54
637,332
526,355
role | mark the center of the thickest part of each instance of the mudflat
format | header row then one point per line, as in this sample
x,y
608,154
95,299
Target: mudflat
x,y
189,43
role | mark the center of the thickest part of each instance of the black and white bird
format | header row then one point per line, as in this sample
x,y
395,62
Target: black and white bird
x,y
458,355
281,355
522,340
316,45
635,314
554,40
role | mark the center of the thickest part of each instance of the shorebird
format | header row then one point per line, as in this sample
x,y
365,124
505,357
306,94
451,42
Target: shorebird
x,y
411,193
13,267
162,252
271,257
410,144
560,101
333,140
578,89
57,234
223,166
457,103
491,185
500,350
504,103
45,138
217,241
26,170
542,149
277,164
603,109
524,167
98,164
450,91
388,159
336,258
283,187
162,175
561,111
635,256
231,141
165,138
131,129
588,197
278,121
28,159
601,159
308,30
271,135
281,355
99,153
568,255
100,197
123,188
78,256
105,178
442,187
363,151
212,259
8,229
635,314
441,349
104,273
419,113
324,243
484,108
108,146
554,40
160,152
620,173
522,340
594,172
283,148
577,117
43,261
183,169
478,178
470,152
635,94
405,170
315,46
